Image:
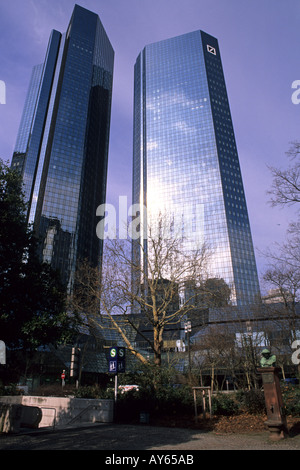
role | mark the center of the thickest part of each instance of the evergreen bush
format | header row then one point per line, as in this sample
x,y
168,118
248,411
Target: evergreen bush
x,y
291,399
252,401
223,404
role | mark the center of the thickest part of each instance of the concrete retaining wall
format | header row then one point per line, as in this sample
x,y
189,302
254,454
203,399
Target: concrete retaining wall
x,y
57,411
13,417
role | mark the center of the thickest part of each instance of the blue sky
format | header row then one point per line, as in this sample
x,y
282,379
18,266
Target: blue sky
x,y
259,42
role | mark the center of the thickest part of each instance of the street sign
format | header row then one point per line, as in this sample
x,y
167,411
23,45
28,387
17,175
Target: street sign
x,y
121,353
2,352
112,366
121,366
113,352
116,362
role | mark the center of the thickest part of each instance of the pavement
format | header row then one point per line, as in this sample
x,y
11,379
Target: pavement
x,y
114,439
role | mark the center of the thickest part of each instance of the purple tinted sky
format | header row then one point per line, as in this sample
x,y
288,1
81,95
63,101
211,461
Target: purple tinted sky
x,y
259,42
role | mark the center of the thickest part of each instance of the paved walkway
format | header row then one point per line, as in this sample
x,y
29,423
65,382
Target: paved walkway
x,y
112,437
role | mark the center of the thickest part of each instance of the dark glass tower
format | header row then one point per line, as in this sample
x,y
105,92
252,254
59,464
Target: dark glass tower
x,y
62,144
185,156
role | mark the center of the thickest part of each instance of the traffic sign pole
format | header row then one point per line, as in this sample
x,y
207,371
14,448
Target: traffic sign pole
x,y
116,388
63,376
116,365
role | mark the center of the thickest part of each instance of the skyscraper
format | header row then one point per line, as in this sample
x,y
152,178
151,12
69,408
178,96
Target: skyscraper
x,y
185,159
62,143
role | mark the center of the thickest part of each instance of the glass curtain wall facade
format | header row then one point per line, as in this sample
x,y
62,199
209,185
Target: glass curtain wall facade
x,y
185,159
62,144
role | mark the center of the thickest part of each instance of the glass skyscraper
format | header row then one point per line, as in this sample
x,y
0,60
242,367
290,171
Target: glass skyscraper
x,y
185,159
62,143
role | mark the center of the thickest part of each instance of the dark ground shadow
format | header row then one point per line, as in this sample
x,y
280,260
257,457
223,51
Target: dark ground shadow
x,y
100,437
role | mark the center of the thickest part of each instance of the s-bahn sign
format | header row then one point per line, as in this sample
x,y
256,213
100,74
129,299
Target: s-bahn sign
x,y
116,360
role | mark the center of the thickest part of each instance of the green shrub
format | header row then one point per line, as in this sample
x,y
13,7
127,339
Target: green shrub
x,y
223,404
174,400
291,399
93,391
252,401
164,400
11,389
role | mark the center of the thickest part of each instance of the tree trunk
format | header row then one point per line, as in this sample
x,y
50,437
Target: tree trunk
x,y
282,370
157,343
212,378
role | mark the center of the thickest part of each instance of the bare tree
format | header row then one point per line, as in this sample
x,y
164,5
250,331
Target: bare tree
x,y
134,292
283,273
285,188
283,277
285,280
284,268
227,350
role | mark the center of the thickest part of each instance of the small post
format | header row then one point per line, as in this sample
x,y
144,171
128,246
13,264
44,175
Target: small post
x,y
209,402
203,404
195,404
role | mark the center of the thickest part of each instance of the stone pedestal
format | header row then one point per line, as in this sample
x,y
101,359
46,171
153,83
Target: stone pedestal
x,y
276,421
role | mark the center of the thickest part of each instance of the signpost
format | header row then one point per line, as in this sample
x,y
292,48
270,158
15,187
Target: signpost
x,y
116,360
116,364
63,376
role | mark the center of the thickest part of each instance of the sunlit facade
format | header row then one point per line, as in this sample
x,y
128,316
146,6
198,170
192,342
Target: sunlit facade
x,y
185,156
62,144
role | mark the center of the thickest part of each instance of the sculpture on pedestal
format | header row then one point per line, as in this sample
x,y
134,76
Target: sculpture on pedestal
x,y
268,359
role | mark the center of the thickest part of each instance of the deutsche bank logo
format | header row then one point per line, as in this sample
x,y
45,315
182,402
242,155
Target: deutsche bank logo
x,y
211,49
2,92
